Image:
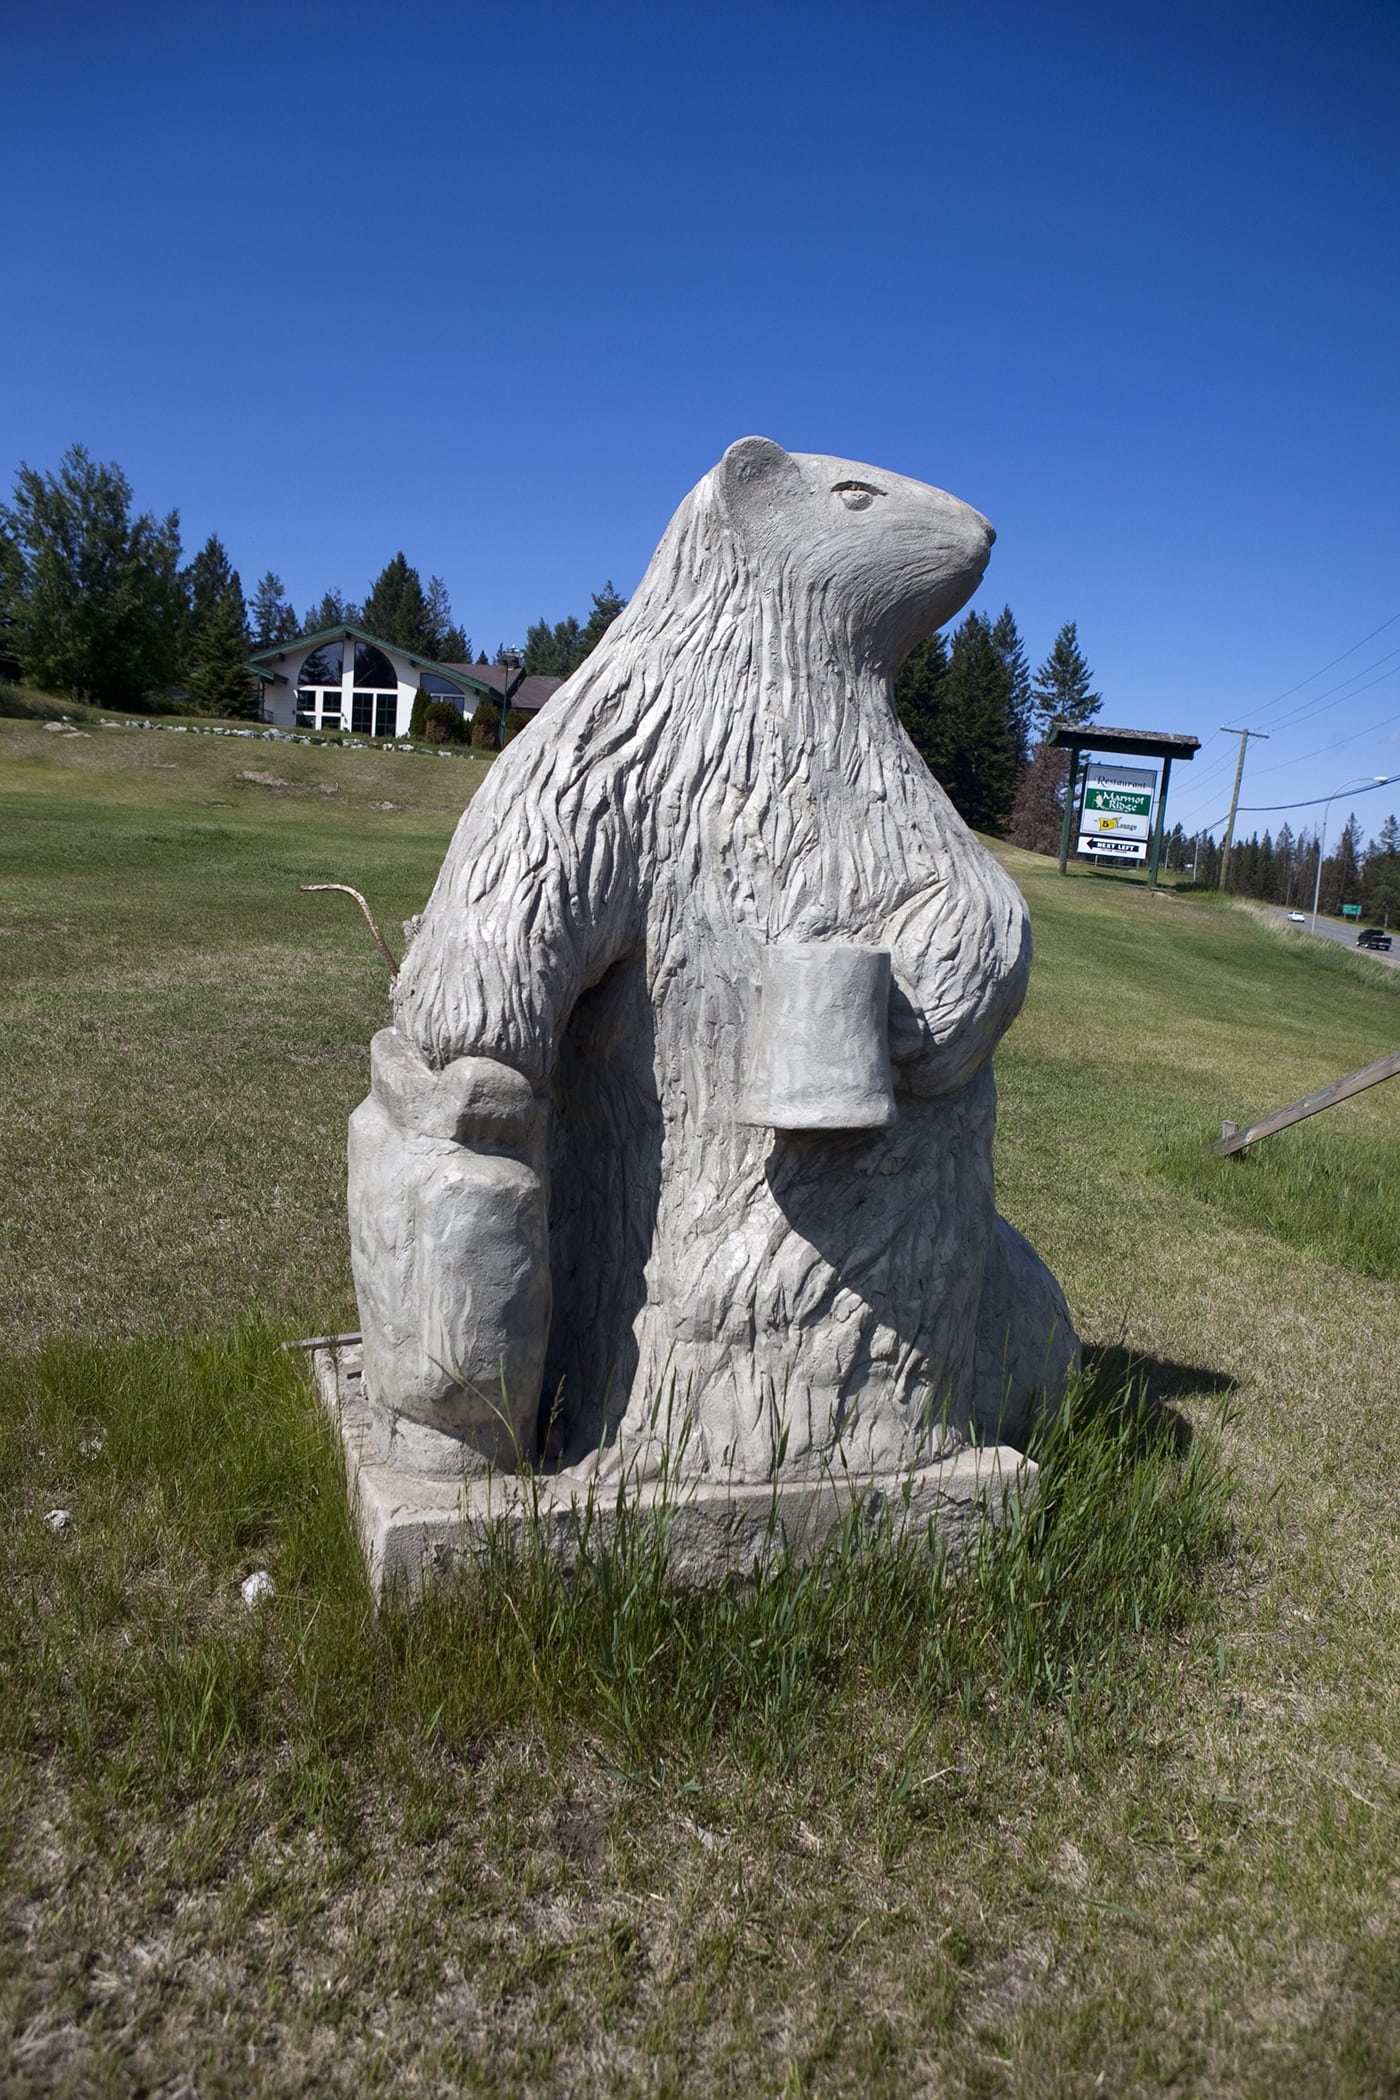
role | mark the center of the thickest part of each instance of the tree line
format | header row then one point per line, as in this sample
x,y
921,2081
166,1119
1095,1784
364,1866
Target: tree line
x,y
1281,868
97,601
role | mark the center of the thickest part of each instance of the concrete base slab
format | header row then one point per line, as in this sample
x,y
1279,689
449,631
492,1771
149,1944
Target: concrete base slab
x,y
413,1530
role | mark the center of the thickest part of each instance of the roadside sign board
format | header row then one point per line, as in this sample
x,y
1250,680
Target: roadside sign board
x,y
1115,816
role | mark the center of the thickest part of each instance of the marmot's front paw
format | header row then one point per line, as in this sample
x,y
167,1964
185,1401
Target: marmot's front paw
x,y
472,1101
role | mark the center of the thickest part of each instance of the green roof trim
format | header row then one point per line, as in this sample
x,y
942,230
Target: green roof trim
x,y
346,632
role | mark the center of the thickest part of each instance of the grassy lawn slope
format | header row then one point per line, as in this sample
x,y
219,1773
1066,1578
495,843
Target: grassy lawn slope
x,y
1117,1815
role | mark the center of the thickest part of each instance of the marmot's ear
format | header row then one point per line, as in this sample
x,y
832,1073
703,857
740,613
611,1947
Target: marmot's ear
x,y
755,472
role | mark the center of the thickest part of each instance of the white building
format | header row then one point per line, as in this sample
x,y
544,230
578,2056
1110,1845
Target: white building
x,y
341,678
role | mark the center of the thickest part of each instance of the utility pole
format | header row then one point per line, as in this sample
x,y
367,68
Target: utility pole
x,y
1244,736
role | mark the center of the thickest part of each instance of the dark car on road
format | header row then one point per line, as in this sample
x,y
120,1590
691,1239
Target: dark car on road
x,y
1373,937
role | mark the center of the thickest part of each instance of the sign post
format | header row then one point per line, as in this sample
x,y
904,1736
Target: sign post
x,y
1155,861
1066,829
1115,821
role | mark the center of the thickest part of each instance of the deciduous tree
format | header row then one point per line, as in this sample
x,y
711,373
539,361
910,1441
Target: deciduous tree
x,y
1037,813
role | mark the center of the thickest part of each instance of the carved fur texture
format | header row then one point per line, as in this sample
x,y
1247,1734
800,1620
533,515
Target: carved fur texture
x,y
726,772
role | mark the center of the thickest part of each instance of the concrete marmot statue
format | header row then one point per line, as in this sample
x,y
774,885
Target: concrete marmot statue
x,y
686,1114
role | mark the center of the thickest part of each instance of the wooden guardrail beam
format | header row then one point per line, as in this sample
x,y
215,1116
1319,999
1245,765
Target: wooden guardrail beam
x,y
1233,1139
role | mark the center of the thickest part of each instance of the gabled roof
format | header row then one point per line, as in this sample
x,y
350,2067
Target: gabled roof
x,y
529,693
261,660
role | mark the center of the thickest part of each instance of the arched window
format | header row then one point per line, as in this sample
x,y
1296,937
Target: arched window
x,y
374,704
318,688
441,688
373,669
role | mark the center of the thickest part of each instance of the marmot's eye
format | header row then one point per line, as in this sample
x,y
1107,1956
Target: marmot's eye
x,y
856,495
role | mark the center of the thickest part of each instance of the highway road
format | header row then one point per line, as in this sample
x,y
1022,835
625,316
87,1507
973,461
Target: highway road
x,y
1345,931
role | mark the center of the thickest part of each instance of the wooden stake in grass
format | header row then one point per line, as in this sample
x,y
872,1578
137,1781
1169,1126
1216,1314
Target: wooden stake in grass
x,y
1233,1139
369,915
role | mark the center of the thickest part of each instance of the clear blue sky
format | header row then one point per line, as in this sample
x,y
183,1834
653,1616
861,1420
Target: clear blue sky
x,y
497,284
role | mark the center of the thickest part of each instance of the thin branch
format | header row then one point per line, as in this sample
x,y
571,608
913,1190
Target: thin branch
x,y
373,926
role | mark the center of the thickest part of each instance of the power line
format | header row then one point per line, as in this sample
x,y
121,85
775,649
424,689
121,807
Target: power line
x,y
1264,809
1288,695
1209,773
1339,692
1339,743
1268,809
1321,752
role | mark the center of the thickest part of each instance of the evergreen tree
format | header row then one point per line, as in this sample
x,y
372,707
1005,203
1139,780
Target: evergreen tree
x,y
1037,813
1261,874
11,578
607,604
450,645
396,609
1380,875
1062,689
983,759
211,585
1243,855
217,673
957,711
97,603
11,571
273,617
1020,701
1341,871
215,662
553,652
332,611
917,699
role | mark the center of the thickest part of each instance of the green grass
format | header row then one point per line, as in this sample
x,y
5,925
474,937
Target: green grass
x,y
1114,1812
1332,1193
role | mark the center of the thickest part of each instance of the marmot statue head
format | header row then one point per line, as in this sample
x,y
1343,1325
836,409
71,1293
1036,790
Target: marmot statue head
x,y
894,558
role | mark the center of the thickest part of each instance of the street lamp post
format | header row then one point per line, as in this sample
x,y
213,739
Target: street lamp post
x,y
1361,780
510,659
